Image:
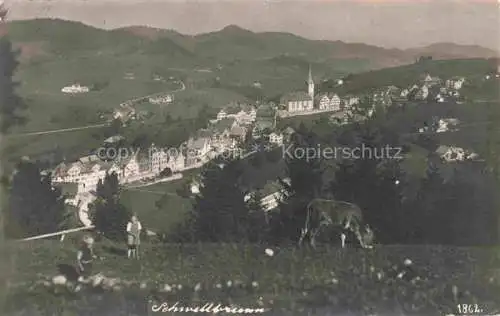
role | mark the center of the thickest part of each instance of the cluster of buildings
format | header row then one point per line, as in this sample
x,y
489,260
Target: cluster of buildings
x,y
87,171
434,88
231,127
441,126
224,133
429,88
75,88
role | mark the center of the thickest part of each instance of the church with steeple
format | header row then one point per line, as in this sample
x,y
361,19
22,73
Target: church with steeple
x,y
300,101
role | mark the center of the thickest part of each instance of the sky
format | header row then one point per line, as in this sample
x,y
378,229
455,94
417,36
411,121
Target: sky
x,y
388,23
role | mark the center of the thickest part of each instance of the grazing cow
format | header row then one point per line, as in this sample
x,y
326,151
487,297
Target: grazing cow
x,y
338,215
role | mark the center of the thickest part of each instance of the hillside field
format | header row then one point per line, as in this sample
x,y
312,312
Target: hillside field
x,y
291,282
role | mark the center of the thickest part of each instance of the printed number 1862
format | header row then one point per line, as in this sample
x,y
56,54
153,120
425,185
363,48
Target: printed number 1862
x,y
469,309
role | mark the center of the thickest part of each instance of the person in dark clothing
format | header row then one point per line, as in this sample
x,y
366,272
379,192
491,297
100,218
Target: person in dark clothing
x,y
85,257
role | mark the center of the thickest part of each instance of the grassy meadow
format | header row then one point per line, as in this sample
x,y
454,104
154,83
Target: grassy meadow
x,y
292,281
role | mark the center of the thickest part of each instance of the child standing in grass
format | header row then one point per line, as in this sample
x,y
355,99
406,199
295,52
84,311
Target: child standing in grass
x,y
133,237
85,257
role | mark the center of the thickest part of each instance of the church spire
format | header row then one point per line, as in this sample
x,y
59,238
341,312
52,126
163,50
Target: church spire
x,y
310,84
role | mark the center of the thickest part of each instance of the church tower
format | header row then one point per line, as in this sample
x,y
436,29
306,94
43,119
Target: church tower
x,y
310,84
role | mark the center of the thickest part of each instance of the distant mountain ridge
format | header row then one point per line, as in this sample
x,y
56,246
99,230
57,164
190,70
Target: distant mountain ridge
x,y
442,50
228,44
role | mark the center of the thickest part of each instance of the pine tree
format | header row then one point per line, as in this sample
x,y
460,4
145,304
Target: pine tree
x,y
428,208
258,219
371,177
307,180
108,215
220,212
35,206
10,103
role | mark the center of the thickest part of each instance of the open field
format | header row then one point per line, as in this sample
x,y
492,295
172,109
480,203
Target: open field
x,y
144,201
53,147
293,281
161,209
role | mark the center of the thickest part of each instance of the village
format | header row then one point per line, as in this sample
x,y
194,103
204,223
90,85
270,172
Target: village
x,y
285,158
237,125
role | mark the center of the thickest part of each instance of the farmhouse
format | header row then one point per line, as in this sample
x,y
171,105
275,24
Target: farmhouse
x,y
328,102
276,138
123,113
165,99
455,83
430,81
75,88
447,124
271,194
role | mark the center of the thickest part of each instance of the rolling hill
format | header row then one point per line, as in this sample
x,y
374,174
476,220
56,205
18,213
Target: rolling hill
x,y
403,76
66,38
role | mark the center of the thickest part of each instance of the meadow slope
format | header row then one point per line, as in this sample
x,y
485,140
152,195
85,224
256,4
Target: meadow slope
x,y
297,281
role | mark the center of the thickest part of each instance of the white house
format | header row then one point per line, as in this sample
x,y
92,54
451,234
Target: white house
x,y
75,88
176,161
130,168
445,125
246,117
329,102
221,115
158,159
455,83
242,116
335,102
275,138
198,148
123,113
272,193
431,81
169,98
423,93
323,102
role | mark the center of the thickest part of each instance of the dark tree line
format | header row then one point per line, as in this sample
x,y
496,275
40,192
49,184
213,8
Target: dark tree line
x,y
457,206
35,206
10,103
220,212
446,205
